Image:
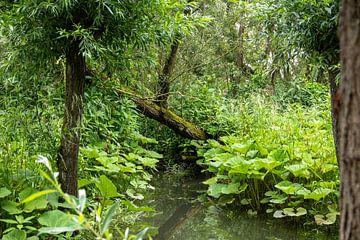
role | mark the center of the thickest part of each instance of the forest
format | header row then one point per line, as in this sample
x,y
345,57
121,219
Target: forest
x,y
174,119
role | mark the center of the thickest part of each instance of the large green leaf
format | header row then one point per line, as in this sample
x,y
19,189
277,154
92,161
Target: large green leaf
x,y
15,234
4,192
11,207
106,187
266,163
242,148
217,189
299,170
40,203
55,222
148,162
318,194
288,187
329,219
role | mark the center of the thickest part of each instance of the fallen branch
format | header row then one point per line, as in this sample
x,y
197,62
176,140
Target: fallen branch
x,y
164,116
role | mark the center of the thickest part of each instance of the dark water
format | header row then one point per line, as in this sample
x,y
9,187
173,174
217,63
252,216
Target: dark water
x,y
182,217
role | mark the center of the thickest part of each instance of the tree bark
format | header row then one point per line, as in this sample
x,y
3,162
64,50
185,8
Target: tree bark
x,y
164,78
74,95
170,119
349,119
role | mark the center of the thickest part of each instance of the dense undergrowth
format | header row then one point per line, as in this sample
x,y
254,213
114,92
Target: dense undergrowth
x,y
271,153
115,168
271,149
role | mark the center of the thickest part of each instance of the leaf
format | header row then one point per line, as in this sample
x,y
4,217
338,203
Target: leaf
x,y
328,220
279,214
148,162
37,195
141,234
4,192
231,188
56,222
90,152
242,148
226,199
292,213
245,201
10,221
44,160
106,187
252,154
132,207
278,155
318,194
266,163
131,193
25,193
82,200
57,230
288,187
108,217
40,203
215,190
84,182
15,234
210,181
10,207
299,170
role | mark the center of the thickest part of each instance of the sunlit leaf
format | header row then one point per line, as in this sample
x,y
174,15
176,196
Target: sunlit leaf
x,y
288,187
15,234
4,192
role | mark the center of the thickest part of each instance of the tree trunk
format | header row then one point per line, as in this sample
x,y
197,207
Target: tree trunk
x,y
180,125
164,78
333,72
239,58
74,95
170,119
349,119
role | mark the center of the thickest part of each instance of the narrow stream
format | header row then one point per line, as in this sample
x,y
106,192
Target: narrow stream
x,y
182,217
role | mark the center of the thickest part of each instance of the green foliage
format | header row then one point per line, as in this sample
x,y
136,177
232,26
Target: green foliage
x,y
279,163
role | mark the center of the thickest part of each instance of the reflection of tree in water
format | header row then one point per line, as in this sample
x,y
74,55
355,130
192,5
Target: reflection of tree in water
x,y
184,218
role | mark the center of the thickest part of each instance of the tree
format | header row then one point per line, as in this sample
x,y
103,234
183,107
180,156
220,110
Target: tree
x,y
310,31
78,32
348,100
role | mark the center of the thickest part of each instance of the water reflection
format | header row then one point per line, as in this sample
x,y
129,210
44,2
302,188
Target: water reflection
x,y
182,217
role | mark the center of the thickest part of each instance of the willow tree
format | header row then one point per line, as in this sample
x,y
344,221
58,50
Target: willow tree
x,y
41,33
308,30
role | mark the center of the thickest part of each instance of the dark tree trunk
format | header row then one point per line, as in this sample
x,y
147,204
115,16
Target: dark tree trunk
x,y
74,95
349,120
333,72
164,78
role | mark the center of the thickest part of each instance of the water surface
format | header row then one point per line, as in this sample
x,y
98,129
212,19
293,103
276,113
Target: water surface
x,y
182,217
